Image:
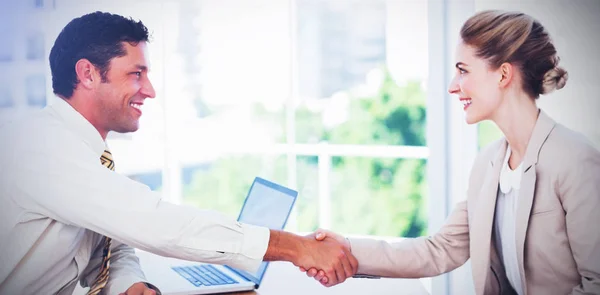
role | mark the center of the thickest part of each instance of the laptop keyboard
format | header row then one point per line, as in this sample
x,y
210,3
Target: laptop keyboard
x,y
204,274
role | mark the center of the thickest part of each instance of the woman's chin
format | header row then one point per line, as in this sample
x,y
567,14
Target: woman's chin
x,y
470,119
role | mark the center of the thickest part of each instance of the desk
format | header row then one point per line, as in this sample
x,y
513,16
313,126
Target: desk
x,y
283,278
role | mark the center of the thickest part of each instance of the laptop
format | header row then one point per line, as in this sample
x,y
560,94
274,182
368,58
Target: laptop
x,y
267,204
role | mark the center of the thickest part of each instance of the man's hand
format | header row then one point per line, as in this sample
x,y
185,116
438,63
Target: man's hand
x,y
320,275
139,288
331,256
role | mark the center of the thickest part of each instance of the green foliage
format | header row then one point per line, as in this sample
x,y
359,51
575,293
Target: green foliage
x,y
395,116
371,201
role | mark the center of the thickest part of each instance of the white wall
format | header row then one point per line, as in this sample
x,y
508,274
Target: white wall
x,y
575,29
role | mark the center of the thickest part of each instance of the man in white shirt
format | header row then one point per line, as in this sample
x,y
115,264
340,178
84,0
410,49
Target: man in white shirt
x,y
65,217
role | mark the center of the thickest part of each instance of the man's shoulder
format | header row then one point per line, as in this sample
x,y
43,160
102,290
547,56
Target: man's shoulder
x,y
36,118
32,130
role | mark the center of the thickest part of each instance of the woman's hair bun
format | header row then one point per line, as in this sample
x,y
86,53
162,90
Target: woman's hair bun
x,y
554,79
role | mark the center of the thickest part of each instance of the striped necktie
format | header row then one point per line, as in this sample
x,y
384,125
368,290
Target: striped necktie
x,y
107,161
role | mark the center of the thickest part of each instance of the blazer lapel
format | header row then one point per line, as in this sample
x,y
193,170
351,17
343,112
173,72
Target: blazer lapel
x,y
483,219
541,131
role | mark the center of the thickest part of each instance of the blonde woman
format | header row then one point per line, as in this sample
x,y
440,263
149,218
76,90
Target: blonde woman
x,y
530,221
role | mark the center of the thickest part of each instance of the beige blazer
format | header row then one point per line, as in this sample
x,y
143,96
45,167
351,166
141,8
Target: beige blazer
x,y
558,223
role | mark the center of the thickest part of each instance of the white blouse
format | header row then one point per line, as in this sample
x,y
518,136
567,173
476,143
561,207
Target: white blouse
x,y
506,211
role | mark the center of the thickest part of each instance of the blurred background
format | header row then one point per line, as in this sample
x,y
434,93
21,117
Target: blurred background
x,y
343,100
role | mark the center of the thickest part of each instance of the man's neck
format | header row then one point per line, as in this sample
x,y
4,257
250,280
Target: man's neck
x,y
86,111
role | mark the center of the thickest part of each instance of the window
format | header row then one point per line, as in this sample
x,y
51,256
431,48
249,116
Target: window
x,y
366,123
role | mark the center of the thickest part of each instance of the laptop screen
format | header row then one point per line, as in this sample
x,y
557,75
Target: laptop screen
x,y
269,205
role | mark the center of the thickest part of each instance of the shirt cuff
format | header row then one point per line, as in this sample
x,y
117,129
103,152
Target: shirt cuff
x,y
254,245
361,249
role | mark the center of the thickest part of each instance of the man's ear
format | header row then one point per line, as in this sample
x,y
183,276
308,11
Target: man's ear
x,y
506,74
86,73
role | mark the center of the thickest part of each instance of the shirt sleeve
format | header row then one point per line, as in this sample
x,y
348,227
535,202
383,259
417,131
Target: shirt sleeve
x,y
59,176
417,257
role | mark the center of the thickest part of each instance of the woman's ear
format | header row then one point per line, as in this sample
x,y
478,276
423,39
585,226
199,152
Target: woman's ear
x,y
506,74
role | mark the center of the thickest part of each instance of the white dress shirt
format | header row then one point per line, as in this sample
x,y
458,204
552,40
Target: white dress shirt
x,y
506,212
57,202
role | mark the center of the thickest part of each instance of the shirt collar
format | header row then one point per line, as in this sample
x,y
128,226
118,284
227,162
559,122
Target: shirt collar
x,y
510,179
80,125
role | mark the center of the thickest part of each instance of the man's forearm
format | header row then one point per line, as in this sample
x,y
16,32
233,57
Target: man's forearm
x,y
283,246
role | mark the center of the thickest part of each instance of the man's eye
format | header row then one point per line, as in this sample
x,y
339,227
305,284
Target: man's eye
x,y
138,74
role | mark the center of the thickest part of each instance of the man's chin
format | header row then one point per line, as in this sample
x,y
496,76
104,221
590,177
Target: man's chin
x,y
126,129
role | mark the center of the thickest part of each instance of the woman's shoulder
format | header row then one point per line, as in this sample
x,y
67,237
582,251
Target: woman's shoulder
x,y
567,153
564,142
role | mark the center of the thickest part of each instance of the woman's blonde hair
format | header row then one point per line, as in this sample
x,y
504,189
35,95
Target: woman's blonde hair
x,y
516,38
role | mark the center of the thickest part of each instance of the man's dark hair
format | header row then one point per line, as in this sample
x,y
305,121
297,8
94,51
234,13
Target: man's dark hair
x,y
96,37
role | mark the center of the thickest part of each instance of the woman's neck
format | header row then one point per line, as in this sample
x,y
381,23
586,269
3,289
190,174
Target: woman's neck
x,y
516,118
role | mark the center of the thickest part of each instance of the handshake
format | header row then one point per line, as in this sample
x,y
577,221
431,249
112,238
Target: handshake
x,y
327,257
